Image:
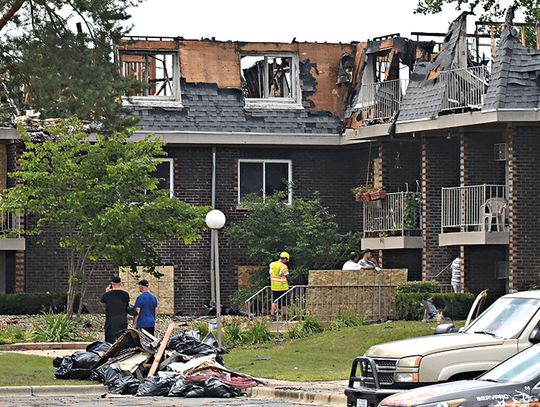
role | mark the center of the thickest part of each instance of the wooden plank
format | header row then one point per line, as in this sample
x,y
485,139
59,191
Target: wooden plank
x,y
161,350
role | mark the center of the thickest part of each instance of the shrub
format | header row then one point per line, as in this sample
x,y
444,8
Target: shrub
x,y
419,287
452,305
32,303
233,330
312,325
55,328
346,318
201,326
258,331
239,298
12,334
295,331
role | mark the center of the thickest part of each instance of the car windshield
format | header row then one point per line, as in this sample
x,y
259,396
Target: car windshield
x,y
506,318
520,368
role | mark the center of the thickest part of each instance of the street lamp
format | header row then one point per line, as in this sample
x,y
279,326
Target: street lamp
x,y
215,220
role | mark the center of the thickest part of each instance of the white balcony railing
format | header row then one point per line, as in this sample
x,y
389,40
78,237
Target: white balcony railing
x,y
464,88
396,213
382,99
474,208
10,224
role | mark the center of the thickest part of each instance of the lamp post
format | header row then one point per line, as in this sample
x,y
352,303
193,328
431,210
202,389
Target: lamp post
x,y
215,220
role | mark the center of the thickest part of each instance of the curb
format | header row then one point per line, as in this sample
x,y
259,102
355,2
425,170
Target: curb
x,y
325,399
44,346
23,391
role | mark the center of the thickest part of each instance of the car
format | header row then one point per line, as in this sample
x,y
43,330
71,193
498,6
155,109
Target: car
x,y
514,382
508,326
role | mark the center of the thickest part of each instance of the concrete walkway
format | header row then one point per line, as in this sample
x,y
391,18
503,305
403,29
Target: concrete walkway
x,y
329,393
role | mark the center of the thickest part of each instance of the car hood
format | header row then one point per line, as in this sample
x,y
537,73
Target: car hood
x,y
473,391
426,345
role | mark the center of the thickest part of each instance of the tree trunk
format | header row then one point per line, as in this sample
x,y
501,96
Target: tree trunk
x,y
72,290
11,11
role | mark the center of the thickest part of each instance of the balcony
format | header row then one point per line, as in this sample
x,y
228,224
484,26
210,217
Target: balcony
x,y
463,88
10,232
474,215
393,222
381,99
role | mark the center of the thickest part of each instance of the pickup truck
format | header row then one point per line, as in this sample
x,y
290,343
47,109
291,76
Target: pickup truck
x,y
504,329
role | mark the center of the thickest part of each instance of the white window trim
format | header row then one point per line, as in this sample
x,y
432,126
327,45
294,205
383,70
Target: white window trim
x,y
174,100
171,174
294,103
263,161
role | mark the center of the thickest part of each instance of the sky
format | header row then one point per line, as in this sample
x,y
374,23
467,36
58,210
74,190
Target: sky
x,y
283,20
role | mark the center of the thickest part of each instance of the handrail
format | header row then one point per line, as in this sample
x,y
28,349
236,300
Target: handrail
x,y
289,290
257,293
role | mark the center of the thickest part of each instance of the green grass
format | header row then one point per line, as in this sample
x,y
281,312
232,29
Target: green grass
x,y
28,370
325,356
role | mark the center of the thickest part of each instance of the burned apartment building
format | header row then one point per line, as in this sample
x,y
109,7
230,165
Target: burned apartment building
x,y
449,135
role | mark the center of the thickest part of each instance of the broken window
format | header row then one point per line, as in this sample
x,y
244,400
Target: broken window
x,y
272,78
165,174
158,73
263,178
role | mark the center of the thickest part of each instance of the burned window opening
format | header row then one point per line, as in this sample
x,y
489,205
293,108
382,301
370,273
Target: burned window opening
x,y
157,72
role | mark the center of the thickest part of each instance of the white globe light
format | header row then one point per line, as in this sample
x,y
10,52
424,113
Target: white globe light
x,y
215,219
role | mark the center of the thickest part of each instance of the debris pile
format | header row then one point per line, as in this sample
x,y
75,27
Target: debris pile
x,y
139,364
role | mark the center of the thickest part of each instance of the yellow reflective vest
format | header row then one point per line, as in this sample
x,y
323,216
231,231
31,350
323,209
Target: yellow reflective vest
x,y
278,276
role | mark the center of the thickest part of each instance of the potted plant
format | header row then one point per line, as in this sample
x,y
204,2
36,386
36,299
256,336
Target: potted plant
x,y
362,192
377,194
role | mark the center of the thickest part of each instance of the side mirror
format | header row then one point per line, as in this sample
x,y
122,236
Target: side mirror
x,y
445,329
534,337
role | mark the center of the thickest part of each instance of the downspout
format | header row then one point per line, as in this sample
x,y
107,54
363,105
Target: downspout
x,y
212,235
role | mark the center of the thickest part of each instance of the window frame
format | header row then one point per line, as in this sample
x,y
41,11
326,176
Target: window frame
x,y
294,102
263,162
169,160
174,100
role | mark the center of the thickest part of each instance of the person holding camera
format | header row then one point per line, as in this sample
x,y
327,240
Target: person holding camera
x,y
116,302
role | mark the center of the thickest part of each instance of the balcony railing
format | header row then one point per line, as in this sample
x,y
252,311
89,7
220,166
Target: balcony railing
x,y
474,208
381,98
464,88
393,215
10,225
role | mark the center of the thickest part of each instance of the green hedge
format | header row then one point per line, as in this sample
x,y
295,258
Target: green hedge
x,y
453,305
419,287
32,303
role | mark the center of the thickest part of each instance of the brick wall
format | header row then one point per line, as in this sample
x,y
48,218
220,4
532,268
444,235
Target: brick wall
x,y
410,259
524,185
479,269
440,168
401,164
478,165
332,172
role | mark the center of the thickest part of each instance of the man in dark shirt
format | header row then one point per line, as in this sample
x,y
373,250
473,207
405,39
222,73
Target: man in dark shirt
x,y
116,303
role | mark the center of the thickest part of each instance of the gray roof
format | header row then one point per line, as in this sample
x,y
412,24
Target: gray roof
x,y
515,77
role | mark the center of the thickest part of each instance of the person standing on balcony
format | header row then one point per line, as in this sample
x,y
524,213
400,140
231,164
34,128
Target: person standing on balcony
x,y
368,262
352,263
456,274
279,281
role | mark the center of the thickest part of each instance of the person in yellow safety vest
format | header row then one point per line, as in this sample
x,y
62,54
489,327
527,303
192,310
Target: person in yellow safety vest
x,y
279,281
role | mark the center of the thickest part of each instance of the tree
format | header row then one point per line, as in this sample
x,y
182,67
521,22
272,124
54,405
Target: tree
x,y
100,198
59,53
488,9
306,229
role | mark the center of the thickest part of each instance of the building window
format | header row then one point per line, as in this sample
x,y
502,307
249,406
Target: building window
x,y
264,177
159,72
270,81
165,174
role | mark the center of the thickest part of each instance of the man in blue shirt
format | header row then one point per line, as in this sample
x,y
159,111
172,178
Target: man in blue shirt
x,y
146,305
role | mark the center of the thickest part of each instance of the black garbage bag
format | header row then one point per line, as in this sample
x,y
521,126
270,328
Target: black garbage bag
x,y
124,385
155,386
210,388
67,370
85,360
107,374
98,347
189,344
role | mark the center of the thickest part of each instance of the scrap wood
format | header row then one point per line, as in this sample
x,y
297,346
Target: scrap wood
x,y
161,349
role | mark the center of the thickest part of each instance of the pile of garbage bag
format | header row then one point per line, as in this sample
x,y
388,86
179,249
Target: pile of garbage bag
x,y
189,367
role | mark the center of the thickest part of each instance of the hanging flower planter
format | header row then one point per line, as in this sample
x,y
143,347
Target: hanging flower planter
x,y
363,197
377,195
362,193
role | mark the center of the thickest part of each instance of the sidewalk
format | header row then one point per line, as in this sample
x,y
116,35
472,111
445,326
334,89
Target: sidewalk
x,y
317,393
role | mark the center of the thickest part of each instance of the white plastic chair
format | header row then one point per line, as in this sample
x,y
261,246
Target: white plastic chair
x,y
494,208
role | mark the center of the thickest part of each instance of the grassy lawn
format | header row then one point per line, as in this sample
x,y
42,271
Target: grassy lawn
x,y
326,356
28,370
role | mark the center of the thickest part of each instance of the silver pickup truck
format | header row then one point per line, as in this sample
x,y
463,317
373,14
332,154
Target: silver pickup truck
x,y
502,330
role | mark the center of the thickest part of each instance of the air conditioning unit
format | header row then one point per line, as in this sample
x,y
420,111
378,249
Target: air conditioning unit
x,y
501,270
501,152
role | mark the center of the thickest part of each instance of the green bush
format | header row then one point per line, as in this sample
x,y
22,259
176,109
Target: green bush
x,y
12,334
239,298
312,325
33,303
201,326
55,328
453,305
295,331
234,331
419,287
258,331
346,318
